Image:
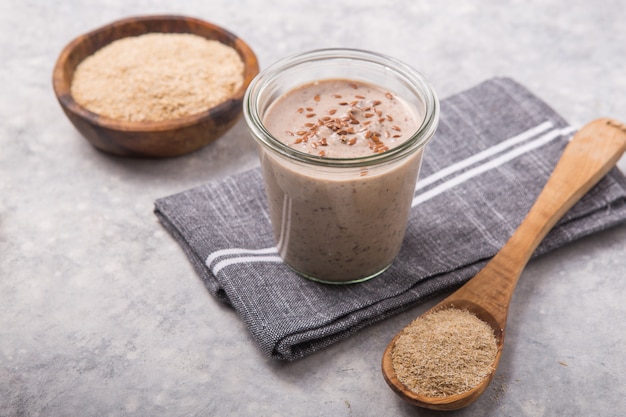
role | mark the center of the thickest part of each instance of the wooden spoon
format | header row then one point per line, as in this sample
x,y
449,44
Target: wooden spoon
x,y
592,152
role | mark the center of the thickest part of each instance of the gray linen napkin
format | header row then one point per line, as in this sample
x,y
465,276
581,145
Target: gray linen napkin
x,y
495,147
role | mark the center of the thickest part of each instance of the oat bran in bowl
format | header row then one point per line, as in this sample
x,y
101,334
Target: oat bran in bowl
x,y
154,86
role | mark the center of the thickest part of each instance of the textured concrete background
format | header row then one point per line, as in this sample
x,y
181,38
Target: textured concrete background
x,y
102,315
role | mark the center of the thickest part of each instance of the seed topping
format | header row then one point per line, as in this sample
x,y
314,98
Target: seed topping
x,y
362,121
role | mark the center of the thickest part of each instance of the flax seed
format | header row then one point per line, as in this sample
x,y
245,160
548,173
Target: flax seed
x,y
365,118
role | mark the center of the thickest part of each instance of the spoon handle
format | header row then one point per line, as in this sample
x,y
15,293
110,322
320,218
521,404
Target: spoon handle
x,y
592,152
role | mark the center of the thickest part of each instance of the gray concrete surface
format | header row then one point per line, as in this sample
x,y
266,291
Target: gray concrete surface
x,y
101,314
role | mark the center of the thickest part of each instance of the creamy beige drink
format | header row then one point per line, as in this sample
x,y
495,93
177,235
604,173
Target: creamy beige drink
x,y
342,225
341,119
341,133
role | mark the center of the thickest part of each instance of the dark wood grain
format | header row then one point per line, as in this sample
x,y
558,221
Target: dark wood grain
x,y
150,139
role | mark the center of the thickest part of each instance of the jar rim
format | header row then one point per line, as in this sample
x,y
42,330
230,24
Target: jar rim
x,y
417,141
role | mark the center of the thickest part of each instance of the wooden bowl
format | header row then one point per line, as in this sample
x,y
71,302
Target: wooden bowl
x,y
155,139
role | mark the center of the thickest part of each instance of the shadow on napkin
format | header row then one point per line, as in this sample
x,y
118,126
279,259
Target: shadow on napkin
x,y
495,148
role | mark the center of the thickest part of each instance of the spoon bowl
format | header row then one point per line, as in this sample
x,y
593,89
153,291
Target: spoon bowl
x,y
451,402
591,153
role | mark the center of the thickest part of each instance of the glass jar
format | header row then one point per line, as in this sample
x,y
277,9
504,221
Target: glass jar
x,y
340,220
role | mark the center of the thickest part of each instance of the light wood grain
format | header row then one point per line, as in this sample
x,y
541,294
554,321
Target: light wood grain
x,y
593,151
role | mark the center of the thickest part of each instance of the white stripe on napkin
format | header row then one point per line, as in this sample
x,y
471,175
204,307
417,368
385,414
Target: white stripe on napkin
x,y
542,140
245,259
241,255
505,144
234,251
